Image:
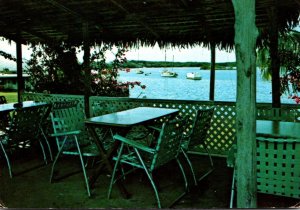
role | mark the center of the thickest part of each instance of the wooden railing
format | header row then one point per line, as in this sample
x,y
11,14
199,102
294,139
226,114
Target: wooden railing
x,y
222,132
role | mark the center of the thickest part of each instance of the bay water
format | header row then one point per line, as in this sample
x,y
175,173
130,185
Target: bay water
x,y
158,87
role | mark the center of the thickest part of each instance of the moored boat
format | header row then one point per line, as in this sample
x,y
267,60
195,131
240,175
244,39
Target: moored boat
x,y
193,75
168,73
139,71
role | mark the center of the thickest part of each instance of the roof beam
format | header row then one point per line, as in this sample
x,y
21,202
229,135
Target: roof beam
x,y
184,2
73,13
9,25
66,9
145,25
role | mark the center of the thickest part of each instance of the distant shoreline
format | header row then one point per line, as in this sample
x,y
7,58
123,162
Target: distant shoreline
x,y
170,67
166,64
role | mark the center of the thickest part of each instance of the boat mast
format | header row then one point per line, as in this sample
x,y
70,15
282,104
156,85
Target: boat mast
x,y
173,63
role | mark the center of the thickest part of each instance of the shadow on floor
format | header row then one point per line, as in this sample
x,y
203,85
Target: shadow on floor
x,y
31,189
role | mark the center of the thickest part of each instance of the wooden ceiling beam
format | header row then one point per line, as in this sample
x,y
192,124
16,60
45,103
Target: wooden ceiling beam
x,y
75,14
184,2
145,25
10,27
66,9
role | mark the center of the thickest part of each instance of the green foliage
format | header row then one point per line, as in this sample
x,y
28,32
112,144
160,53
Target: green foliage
x,y
5,71
289,56
264,62
55,69
7,56
290,80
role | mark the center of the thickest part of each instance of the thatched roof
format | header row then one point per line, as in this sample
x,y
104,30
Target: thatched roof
x,y
175,22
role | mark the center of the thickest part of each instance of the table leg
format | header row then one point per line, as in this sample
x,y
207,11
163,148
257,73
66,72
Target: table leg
x,y
105,157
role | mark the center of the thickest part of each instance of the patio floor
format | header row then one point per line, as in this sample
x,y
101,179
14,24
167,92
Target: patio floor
x,y
32,189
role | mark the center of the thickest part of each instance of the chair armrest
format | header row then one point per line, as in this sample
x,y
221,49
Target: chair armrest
x,y
154,128
231,156
134,144
66,133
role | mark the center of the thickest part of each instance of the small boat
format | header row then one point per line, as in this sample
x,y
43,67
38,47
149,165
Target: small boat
x,y
193,75
168,73
139,71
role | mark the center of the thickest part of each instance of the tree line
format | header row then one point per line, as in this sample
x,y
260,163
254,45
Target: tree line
x,y
161,64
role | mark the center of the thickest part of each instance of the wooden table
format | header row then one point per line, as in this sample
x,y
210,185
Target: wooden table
x,y
123,119
278,128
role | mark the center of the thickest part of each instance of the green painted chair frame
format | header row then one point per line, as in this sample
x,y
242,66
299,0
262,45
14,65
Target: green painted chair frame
x,y
3,100
4,117
23,130
69,130
167,148
278,171
195,135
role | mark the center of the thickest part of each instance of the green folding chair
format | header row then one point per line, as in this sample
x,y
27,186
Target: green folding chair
x,y
141,156
194,136
71,135
23,131
277,163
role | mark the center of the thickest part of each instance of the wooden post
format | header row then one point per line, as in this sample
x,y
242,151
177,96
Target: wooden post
x,y
20,80
275,62
212,72
87,68
245,42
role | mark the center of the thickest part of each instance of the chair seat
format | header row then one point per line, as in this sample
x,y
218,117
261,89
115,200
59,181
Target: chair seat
x,y
87,150
131,159
138,132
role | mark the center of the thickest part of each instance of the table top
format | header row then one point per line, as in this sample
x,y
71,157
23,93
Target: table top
x,y
278,128
131,116
10,106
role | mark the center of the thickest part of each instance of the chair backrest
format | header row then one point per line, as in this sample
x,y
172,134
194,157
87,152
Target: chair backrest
x,y
278,170
25,123
66,116
3,100
199,127
277,163
168,143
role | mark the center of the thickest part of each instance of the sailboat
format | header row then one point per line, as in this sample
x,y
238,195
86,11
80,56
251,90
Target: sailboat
x,y
138,70
166,72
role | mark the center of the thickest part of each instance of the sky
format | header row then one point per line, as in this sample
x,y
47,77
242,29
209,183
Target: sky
x,y
197,54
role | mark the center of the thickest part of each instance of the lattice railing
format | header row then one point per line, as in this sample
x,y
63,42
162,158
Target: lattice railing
x,y
222,132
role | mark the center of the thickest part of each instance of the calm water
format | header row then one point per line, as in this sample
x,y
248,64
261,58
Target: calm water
x,y
158,87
